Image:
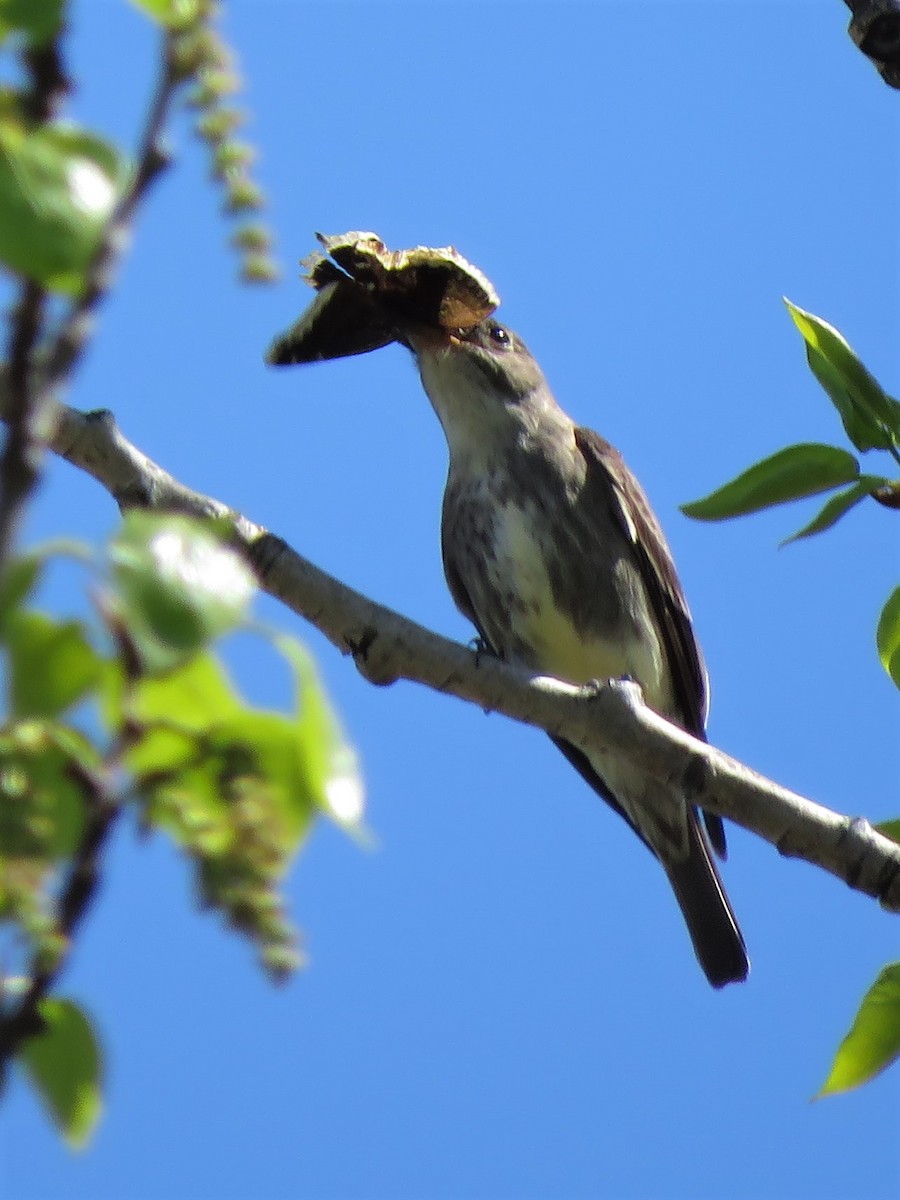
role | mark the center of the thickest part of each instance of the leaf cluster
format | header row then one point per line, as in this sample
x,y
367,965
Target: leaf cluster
x,y
871,421
60,183
134,711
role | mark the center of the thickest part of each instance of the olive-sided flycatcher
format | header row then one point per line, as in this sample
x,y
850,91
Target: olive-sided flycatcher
x,y
551,549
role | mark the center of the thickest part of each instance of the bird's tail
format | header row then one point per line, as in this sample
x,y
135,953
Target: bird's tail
x,y
648,809
718,942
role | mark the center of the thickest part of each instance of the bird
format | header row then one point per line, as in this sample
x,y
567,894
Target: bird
x,y
551,549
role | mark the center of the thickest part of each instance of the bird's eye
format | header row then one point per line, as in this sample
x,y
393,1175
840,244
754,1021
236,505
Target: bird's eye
x,y
500,336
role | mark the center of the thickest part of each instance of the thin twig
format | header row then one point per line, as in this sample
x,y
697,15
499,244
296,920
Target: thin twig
x,y
69,343
102,809
49,82
20,461
21,458
31,388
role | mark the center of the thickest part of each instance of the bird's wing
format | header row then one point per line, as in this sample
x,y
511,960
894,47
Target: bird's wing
x,y
657,569
658,573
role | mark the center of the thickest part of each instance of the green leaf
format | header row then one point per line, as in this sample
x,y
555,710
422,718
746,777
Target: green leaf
x,y
171,13
874,1038
58,186
863,431
64,1064
791,474
894,413
52,665
179,585
39,20
331,764
172,708
835,507
41,800
869,416
890,829
887,636
195,696
23,572
238,805
19,581
251,752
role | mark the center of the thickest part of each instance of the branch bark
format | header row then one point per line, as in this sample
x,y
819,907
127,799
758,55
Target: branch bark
x,y
387,647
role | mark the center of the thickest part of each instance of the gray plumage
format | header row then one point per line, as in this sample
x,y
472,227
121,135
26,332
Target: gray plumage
x,y
551,549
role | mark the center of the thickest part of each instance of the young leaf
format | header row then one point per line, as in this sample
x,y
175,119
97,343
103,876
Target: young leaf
x,y
64,1064
791,474
179,585
19,581
890,829
170,12
835,507
874,1038
195,696
330,762
172,709
863,430
52,665
887,636
264,746
239,806
41,799
868,415
58,186
38,20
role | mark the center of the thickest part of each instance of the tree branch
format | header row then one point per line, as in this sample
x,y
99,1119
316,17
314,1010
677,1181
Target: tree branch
x,y
387,647
875,28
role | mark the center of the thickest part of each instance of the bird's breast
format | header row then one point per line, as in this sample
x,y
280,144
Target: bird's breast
x,y
526,602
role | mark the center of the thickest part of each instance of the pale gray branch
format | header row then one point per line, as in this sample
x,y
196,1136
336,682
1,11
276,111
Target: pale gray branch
x,y
387,647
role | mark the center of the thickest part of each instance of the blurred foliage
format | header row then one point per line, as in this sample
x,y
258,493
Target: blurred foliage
x,y
200,56
58,188
133,710
64,1063
60,183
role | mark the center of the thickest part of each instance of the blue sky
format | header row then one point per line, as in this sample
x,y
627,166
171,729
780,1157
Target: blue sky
x,y
502,1001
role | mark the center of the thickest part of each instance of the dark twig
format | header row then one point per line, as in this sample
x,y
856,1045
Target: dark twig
x,y
102,809
31,387
69,344
49,82
103,806
21,458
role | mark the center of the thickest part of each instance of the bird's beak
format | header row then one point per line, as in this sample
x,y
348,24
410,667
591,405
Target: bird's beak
x,y
429,339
